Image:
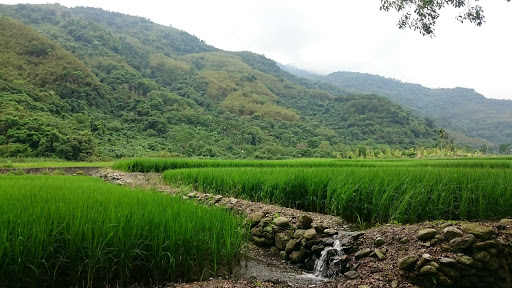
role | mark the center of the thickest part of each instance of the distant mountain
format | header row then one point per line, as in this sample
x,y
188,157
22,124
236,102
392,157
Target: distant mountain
x,y
460,110
83,82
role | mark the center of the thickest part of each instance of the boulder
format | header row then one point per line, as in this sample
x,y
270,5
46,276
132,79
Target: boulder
x,y
481,256
481,232
330,231
292,245
255,218
299,233
427,270
379,254
351,274
451,232
462,242
447,261
281,240
296,256
281,221
427,234
407,262
305,221
363,253
310,234
465,260
379,242
262,241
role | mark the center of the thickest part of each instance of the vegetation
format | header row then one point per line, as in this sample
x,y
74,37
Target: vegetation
x,y
422,15
457,110
63,230
86,84
376,191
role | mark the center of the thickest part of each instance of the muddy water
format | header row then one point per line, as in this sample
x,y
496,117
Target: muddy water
x,y
265,271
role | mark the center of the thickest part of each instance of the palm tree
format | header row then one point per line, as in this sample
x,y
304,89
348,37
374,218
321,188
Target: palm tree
x,y
441,133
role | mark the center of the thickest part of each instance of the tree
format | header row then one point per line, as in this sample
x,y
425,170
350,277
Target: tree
x,y
504,148
421,15
441,133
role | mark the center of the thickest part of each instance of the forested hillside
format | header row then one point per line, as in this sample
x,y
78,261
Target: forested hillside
x,y
84,83
459,109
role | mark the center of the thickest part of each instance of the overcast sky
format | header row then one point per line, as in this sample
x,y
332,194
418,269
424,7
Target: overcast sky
x,y
344,35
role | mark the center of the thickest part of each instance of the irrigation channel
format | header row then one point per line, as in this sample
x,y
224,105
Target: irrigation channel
x,y
259,265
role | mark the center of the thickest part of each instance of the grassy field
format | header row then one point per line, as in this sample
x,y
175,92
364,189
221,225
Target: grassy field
x,y
47,162
65,231
160,165
373,191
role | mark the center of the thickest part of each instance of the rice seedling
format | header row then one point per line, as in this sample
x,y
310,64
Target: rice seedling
x,y
159,165
80,231
375,194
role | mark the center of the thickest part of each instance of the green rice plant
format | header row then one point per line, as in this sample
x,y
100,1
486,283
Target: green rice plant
x,y
159,165
375,194
80,231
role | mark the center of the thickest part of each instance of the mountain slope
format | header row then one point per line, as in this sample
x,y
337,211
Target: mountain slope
x,y
155,88
458,109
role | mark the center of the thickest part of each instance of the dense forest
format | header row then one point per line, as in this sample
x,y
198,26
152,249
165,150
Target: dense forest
x,y
85,83
462,111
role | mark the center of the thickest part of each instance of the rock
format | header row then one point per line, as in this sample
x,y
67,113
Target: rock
x,y
449,271
434,264
274,250
363,286
445,281
481,232
407,262
317,249
394,283
379,242
492,264
465,260
305,221
281,240
262,241
319,228
283,255
451,232
193,195
310,243
427,234
255,218
363,253
405,240
379,254
506,221
299,233
427,270
462,242
427,257
357,234
328,241
281,221
447,261
351,274
296,256
447,224
292,245
330,231
486,245
310,234
482,256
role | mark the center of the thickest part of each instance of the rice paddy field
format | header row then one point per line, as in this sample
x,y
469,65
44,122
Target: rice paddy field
x,y
375,191
62,231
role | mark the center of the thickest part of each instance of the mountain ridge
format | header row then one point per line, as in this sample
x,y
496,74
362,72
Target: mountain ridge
x,y
457,109
166,92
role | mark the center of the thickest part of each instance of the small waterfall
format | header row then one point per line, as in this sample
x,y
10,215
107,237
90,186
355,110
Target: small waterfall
x,y
331,258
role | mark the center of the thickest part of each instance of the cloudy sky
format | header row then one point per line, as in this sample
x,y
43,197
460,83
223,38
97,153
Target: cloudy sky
x,y
344,35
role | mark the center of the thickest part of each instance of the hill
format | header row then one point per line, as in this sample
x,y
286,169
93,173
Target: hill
x,y
461,110
132,87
